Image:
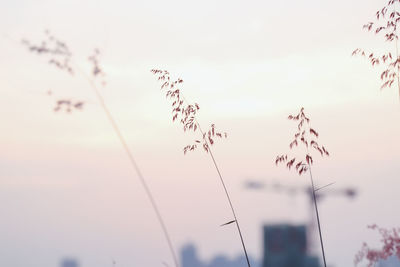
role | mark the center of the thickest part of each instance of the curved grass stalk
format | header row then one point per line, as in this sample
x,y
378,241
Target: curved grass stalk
x,y
137,170
187,114
60,57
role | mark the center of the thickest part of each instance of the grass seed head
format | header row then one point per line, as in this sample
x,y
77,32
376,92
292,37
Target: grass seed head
x,y
387,19
185,113
307,137
390,239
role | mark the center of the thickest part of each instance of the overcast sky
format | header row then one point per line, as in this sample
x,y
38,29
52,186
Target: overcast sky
x,y
66,186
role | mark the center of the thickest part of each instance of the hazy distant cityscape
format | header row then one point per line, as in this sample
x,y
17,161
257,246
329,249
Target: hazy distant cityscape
x,y
212,133
284,246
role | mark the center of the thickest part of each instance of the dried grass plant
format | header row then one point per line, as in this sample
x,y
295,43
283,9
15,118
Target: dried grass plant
x,y
59,55
390,239
387,20
307,137
185,114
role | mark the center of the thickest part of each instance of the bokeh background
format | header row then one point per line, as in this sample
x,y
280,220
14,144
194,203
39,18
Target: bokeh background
x,y
67,188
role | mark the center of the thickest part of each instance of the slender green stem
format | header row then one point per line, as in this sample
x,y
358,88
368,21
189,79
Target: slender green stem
x,y
317,214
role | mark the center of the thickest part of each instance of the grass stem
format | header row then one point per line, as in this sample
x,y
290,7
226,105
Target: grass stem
x,y
136,168
227,195
317,214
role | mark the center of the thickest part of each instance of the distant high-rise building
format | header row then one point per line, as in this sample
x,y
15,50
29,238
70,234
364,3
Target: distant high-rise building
x,y
69,263
286,246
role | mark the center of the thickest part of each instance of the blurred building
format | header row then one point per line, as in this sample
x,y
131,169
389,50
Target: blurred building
x,y
392,261
189,258
286,246
69,263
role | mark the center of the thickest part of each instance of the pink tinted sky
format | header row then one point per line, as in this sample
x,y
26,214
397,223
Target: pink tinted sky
x,y
66,185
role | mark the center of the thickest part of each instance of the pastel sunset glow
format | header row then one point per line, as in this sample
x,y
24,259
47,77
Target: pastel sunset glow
x,y
67,188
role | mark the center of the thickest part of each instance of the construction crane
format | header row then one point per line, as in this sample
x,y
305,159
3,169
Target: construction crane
x,y
294,190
